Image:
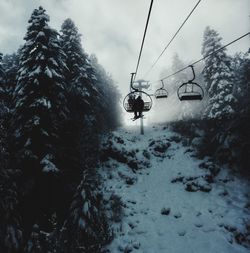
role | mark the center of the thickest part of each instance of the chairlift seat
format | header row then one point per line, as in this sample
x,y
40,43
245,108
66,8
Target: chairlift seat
x,y
146,107
161,93
187,96
196,93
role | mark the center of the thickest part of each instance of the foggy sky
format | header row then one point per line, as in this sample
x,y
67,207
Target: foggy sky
x,y
113,29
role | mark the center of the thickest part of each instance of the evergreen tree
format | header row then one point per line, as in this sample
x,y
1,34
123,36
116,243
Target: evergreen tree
x,y
110,111
10,66
240,65
80,74
88,92
10,229
40,110
2,79
91,103
40,104
88,79
87,227
11,233
218,77
82,95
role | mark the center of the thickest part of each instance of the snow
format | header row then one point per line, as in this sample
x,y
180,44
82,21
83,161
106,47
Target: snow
x,y
48,166
40,34
36,71
159,215
43,101
48,72
85,207
82,223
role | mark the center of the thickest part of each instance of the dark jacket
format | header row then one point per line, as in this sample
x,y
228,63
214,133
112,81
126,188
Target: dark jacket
x,y
139,104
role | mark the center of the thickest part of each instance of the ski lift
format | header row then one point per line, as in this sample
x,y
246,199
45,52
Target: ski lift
x,y
161,93
190,90
128,101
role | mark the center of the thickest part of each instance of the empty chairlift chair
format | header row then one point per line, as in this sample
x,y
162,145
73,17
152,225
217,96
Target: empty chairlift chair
x,y
161,92
190,90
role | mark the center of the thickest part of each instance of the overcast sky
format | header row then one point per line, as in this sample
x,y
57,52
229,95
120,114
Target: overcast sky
x,y
113,29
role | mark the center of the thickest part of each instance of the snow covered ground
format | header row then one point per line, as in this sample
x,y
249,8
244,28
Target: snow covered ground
x,y
172,202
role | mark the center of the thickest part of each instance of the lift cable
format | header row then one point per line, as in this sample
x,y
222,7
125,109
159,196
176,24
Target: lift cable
x,y
144,35
172,38
203,58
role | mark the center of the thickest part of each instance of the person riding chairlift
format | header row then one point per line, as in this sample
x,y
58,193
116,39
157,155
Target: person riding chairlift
x,y
138,107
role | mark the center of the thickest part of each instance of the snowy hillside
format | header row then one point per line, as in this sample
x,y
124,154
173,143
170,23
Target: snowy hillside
x,y
166,200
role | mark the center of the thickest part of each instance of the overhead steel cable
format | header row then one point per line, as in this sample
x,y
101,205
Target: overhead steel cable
x,y
144,35
203,58
172,38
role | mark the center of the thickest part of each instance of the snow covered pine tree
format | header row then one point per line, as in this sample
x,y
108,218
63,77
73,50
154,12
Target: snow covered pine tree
x,y
86,228
40,109
218,77
10,229
10,66
83,98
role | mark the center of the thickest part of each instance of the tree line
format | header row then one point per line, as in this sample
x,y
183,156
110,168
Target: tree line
x,y
224,114
56,102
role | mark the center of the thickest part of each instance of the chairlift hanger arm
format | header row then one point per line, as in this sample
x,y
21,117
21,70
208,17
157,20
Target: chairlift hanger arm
x,y
131,82
191,80
162,84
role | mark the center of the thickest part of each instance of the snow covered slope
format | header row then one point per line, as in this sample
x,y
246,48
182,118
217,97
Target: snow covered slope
x,y
171,201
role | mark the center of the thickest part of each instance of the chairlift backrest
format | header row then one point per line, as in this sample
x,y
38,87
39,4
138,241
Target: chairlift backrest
x,y
161,92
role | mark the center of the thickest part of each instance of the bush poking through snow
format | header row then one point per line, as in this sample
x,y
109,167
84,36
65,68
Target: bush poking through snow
x,y
116,208
165,211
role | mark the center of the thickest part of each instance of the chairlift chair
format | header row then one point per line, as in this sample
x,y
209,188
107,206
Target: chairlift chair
x,y
128,101
190,90
134,93
161,92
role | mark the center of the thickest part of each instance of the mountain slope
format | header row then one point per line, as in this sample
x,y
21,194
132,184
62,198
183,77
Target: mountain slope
x,y
171,201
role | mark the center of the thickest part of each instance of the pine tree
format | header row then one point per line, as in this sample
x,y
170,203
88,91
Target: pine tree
x,y
87,227
80,74
89,104
10,66
10,229
240,65
110,96
218,77
89,94
40,104
81,93
11,234
2,78
88,79
39,113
